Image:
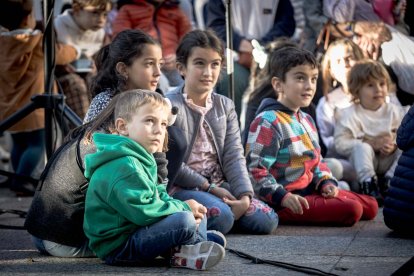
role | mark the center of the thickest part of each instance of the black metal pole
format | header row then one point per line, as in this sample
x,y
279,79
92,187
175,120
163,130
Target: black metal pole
x,y
229,50
49,68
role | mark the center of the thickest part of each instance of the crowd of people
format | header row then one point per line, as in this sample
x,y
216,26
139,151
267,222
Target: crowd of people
x,y
319,131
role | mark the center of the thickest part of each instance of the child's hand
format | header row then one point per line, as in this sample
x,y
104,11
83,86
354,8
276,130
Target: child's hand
x,y
294,203
238,207
329,191
378,142
388,149
198,210
222,193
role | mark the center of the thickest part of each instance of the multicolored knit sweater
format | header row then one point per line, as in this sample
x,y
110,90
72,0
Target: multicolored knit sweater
x,y
283,154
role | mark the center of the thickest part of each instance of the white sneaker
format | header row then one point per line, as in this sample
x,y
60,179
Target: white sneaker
x,y
201,256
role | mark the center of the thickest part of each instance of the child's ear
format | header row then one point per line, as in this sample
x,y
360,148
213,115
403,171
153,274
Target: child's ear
x,y
121,127
121,68
181,68
277,85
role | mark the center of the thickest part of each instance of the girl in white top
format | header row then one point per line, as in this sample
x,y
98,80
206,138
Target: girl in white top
x,y
337,61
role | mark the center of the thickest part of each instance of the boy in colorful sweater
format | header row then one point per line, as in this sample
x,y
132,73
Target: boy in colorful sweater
x,y
283,153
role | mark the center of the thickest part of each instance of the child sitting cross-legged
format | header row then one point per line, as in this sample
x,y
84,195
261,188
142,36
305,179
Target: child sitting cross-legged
x,y
284,157
129,219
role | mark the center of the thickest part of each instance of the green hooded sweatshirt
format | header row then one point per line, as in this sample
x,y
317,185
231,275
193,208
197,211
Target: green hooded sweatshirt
x,y
123,194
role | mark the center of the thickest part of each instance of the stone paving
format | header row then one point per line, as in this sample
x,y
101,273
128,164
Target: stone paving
x,y
367,248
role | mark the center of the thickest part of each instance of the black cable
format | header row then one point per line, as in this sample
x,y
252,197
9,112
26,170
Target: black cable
x,y
304,269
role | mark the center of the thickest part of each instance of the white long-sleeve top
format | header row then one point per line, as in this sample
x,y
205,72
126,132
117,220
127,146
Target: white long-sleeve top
x,y
358,123
85,41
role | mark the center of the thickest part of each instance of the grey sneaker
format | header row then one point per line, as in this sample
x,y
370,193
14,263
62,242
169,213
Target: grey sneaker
x,y
201,256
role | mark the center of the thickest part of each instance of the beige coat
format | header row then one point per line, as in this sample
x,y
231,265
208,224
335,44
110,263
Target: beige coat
x,y
22,74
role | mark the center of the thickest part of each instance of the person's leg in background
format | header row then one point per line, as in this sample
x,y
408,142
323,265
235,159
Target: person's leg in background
x,y
28,149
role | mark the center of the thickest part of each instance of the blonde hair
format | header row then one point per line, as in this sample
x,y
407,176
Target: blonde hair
x,y
365,71
328,79
125,106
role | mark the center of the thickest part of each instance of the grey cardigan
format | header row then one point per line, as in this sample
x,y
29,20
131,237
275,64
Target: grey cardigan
x,y
223,122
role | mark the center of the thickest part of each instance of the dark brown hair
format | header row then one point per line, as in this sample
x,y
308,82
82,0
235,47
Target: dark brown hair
x,y
198,38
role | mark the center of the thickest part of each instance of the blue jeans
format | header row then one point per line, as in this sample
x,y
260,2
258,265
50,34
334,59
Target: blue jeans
x,y
158,239
61,250
258,219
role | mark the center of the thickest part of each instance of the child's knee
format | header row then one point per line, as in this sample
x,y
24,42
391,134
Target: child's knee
x,y
362,149
220,218
352,213
371,209
185,220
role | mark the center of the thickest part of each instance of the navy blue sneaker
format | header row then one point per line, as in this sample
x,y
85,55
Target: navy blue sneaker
x,y
217,237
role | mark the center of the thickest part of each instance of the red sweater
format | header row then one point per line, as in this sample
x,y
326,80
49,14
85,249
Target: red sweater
x,y
167,22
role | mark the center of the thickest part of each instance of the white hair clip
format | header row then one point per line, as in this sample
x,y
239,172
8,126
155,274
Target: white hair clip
x,y
173,115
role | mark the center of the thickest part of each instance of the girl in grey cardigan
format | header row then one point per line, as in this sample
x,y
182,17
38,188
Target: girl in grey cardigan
x,y
214,170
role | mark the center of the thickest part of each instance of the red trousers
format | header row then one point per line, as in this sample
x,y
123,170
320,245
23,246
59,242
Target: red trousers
x,y
344,210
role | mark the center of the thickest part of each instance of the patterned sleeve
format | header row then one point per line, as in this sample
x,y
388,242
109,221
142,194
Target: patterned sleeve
x,y
97,105
263,145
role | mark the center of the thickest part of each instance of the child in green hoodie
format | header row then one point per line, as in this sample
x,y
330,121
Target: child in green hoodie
x,y
129,219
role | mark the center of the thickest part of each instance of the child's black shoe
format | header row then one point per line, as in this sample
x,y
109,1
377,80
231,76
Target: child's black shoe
x,y
370,187
384,185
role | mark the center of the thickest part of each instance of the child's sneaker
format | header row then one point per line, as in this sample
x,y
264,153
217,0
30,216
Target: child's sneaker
x,y
201,256
217,237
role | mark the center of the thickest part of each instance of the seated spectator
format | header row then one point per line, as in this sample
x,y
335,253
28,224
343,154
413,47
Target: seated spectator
x,y
81,27
366,131
283,153
214,168
129,217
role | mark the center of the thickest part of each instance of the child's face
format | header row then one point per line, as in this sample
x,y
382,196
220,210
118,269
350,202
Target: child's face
x,y
145,71
201,71
147,127
342,59
298,88
91,18
372,94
